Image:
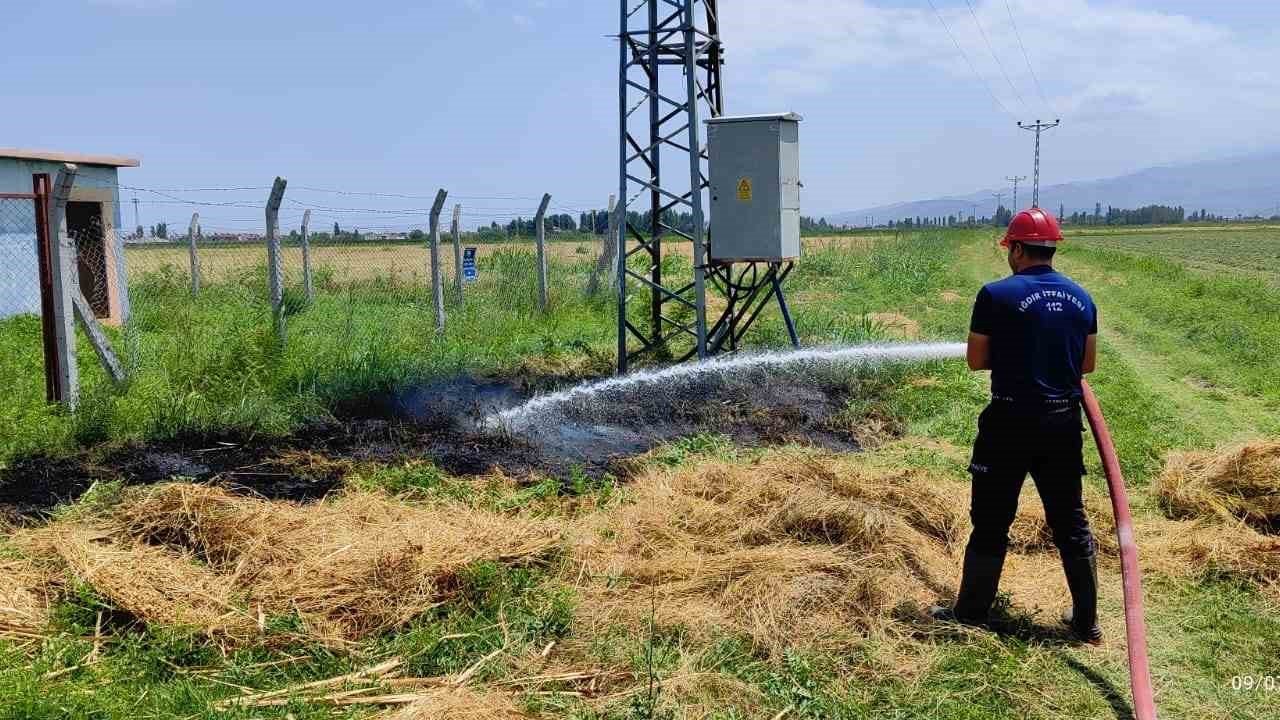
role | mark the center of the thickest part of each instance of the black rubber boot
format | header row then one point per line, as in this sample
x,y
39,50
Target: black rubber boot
x,y
978,588
1082,580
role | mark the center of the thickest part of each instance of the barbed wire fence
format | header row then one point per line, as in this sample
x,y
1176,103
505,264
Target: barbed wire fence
x,y
20,306
158,276
171,272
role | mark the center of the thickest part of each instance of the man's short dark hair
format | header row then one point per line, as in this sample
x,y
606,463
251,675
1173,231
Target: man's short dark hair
x,y
1038,252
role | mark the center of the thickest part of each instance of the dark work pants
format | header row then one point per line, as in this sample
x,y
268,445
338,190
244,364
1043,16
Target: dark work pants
x,y
1012,443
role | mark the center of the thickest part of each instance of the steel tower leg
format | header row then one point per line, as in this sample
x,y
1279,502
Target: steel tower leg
x,y
670,41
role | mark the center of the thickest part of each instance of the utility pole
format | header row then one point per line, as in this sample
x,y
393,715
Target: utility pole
x,y
137,219
1038,128
1015,180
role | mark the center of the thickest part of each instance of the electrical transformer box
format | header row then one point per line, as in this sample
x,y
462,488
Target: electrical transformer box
x,y
755,187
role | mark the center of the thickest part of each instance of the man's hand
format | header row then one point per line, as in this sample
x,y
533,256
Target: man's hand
x,y
979,352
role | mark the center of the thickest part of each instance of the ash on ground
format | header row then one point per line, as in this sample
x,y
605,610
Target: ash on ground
x,y
451,423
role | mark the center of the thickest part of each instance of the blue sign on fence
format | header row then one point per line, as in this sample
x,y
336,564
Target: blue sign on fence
x,y
469,264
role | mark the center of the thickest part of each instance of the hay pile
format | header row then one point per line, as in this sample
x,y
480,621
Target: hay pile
x,y
1225,507
792,550
1211,547
149,583
24,599
1238,483
352,566
349,567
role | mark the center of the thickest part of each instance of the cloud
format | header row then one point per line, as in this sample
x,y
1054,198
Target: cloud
x,y
1093,59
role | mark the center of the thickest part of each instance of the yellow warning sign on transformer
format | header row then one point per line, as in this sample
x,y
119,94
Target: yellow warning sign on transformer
x,y
744,189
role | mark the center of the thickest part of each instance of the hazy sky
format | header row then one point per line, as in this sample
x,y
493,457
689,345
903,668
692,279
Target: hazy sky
x,y
501,100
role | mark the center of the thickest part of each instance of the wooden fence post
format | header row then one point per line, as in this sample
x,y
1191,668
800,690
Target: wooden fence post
x,y
437,282
306,259
456,231
192,231
275,263
540,227
62,262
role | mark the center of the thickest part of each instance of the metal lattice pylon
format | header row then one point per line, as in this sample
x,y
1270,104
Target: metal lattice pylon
x,y
664,45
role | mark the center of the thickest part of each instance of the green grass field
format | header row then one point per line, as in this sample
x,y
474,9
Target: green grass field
x,y
1248,250
1190,359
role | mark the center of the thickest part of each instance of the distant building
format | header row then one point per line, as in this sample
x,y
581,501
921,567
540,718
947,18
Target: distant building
x,y
92,219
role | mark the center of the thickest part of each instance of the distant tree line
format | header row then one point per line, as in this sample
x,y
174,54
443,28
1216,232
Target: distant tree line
x,y
1148,215
809,225
1000,219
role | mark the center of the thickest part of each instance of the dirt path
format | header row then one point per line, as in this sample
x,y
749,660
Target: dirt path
x,y
1219,413
1216,413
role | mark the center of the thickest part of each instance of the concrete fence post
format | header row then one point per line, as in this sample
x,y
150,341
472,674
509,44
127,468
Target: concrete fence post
x,y
193,231
539,223
455,230
306,259
62,262
604,264
437,281
275,263
613,225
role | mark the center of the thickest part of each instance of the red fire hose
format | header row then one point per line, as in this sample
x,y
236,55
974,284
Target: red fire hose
x,y
1144,705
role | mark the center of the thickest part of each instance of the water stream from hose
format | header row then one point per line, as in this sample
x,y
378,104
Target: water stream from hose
x,y
521,416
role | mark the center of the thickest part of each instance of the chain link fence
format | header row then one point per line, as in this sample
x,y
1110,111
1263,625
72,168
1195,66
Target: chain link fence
x,y
19,259
187,308
23,384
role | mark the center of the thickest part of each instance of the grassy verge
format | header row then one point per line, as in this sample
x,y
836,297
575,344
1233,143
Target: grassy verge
x,y
1187,362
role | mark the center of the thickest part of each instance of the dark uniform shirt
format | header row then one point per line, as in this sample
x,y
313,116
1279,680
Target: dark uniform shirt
x,y
1038,321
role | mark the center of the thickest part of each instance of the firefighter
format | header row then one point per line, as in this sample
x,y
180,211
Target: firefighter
x,y
1036,331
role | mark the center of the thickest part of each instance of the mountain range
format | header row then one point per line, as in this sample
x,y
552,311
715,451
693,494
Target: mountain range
x,y
1246,185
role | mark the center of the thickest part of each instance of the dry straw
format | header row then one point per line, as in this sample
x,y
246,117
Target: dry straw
x,y
207,559
150,583
25,589
1211,546
1237,483
460,704
1232,497
794,549
350,566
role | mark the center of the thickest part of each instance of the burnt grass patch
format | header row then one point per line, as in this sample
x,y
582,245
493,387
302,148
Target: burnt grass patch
x,y
443,422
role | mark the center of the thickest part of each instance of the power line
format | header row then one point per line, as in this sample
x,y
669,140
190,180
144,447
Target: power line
x,y
1038,127
995,57
969,62
207,189
1027,58
1015,180
515,198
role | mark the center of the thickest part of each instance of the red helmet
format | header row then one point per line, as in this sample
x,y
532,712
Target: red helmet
x,y
1033,227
